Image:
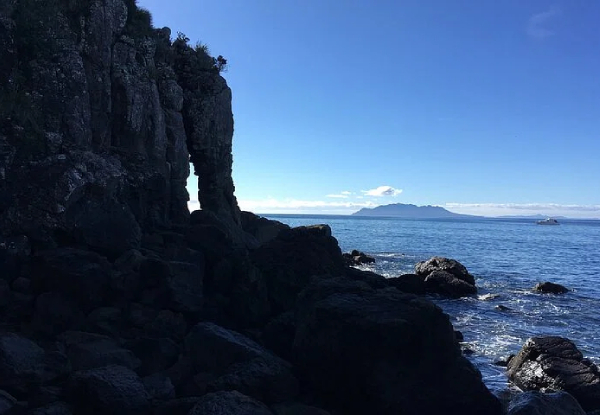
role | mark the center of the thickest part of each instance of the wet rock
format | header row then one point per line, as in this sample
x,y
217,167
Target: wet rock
x,y
536,403
555,364
356,257
21,363
444,264
110,389
381,351
229,403
409,283
447,285
550,288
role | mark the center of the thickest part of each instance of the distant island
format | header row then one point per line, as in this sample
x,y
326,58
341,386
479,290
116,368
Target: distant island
x,y
400,210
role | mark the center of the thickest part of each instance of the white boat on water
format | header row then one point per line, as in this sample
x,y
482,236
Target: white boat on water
x,y
548,221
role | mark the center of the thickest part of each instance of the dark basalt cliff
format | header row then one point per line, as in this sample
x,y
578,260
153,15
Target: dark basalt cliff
x,y
101,115
115,299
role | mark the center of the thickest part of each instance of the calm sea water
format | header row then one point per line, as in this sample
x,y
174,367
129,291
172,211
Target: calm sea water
x,y
508,257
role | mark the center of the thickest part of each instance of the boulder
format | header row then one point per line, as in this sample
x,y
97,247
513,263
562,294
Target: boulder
x,y
297,409
159,387
447,285
54,313
90,351
444,264
550,288
289,261
536,403
238,363
382,351
55,408
262,229
81,276
105,390
555,364
179,406
7,402
356,258
408,283
156,354
229,403
21,363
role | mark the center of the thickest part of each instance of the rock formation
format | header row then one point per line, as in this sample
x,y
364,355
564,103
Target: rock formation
x,y
113,298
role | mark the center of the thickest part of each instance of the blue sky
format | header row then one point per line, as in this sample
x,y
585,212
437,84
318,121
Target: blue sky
x,y
486,107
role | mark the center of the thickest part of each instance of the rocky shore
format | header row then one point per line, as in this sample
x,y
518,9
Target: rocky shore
x,y
115,299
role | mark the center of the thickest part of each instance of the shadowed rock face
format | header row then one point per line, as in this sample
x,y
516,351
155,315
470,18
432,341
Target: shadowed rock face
x,y
97,114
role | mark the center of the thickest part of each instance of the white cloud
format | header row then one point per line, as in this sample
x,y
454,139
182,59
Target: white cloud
x,y
272,205
537,26
347,193
550,209
383,191
340,196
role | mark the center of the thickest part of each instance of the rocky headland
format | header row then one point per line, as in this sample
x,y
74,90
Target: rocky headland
x,y
115,299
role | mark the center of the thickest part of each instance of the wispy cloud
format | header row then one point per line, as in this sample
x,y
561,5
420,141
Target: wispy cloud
x,y
538,24
340,195
272,205
383,191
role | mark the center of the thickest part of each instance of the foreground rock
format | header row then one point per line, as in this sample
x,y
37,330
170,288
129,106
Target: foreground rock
x,y
384,352
229,403
550,288
554,364
536,403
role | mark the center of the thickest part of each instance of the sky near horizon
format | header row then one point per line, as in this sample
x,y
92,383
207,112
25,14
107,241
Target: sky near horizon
x,y
482,107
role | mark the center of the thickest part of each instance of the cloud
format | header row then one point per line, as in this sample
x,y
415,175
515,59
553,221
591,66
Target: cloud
x,y
347,193
537,26
272,205
340,196
383,191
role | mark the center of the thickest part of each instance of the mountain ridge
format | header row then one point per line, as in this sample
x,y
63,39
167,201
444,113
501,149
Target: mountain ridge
x,y
410,211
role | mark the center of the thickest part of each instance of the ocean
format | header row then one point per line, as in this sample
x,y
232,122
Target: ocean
x,y
507,257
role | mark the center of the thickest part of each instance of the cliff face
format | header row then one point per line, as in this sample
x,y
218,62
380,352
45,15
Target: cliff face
x,y
99,113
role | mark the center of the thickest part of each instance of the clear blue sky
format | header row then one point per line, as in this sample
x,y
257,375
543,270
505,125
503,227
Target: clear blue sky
x,y
483,106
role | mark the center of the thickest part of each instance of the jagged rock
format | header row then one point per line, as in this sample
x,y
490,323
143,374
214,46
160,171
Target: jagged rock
x,y
374,280
7,402
550,288
105,320
55,313
229,403
381,351
263,229
159,387
238,363
409,283
21,363
81,276
56,408
110,389
536,403
554,364
180,406
278,334
290,260
297,409
444,264
156,354
446,284
90,351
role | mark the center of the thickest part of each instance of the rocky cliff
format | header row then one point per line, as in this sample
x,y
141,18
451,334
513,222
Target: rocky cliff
x,y
100,116
115,299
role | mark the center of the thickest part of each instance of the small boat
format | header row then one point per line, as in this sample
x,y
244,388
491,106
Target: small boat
x,y
548,221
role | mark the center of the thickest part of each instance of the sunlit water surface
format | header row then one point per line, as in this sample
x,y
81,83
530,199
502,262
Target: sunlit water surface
x,y
508,257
